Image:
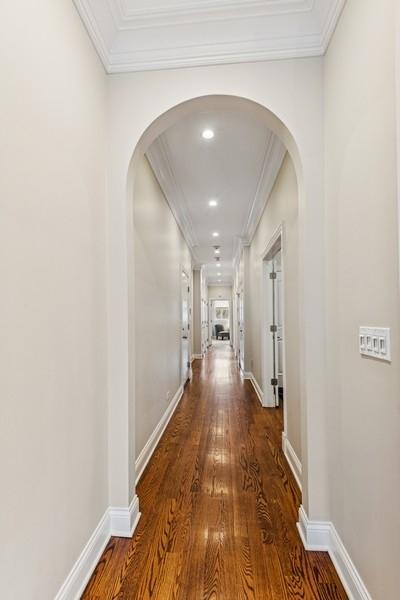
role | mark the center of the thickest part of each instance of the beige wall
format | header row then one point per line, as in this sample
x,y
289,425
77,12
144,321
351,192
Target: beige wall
x,y
53,386
140,106
219,292
160,254
362,289
282,208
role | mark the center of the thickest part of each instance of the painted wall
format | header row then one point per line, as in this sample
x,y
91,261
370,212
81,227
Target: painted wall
x,y
291,91
362,289
282,207
219,292
53,362
160,255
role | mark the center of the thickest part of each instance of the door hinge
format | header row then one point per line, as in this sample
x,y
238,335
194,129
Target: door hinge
x,y
272,275
188,290
188,364
273,328
274,381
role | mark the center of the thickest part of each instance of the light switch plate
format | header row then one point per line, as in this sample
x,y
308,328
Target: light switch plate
x,y
375,342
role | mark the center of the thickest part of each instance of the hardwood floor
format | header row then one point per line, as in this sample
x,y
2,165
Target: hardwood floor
x,y
219,506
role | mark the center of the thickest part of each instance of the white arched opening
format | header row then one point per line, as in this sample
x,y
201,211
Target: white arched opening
x,y
121,323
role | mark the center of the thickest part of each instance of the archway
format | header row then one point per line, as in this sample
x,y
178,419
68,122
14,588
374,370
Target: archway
x,y
312,304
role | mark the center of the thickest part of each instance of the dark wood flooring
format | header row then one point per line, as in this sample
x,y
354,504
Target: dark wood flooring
x,y
219,506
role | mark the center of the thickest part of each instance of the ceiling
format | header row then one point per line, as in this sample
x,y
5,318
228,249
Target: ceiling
x,y
237,168
137,35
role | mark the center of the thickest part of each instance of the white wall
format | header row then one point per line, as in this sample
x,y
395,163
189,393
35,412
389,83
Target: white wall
x,y
291,92
362,289
53,385
282,208
160,255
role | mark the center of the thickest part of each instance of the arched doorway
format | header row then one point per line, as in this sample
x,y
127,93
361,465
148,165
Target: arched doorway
x,y
123,421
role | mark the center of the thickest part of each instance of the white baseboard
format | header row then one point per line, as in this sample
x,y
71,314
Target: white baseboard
x,y
322,536
196,356
258,390
77,580
123,521
115,521
146,453
292,458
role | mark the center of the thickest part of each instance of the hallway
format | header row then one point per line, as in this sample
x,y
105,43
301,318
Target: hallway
x,y
219,506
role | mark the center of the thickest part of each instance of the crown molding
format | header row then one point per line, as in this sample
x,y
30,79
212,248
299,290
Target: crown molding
x,y
128,39
185,13
273,158
158,156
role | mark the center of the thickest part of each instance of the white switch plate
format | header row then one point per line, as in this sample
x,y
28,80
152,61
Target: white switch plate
x,y
375,342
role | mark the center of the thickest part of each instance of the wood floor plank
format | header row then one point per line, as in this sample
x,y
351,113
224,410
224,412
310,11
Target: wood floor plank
x,y
219,506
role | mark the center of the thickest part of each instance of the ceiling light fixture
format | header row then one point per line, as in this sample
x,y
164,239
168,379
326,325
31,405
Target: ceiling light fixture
x,y
219,274
215,234
212,203
208,134
217,251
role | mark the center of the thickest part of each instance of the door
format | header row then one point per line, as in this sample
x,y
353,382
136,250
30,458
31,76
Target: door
x,y
185,341
276,327
240,317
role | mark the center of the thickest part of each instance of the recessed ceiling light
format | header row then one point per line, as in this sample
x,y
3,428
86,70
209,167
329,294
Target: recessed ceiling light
x,y
218,274
217,251
212,203
208,134
215,234
219,280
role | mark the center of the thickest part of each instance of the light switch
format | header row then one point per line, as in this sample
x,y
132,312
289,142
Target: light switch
x,y
375,342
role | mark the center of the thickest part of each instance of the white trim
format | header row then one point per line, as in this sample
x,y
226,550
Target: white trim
x,y
315,535
273,159
78,577
146,453
249,375
169,38
292,458
187,373
322,536
266,366
196,356
123,521
159,157
176,14
119,522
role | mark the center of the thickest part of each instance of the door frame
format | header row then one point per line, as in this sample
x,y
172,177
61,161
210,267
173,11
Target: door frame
x,y
239,322
210,321
277,240
189,338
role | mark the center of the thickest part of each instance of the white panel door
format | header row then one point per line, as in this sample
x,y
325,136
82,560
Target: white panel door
x,y
185,325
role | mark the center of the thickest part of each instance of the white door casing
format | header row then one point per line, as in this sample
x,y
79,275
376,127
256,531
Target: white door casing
x,y
185,328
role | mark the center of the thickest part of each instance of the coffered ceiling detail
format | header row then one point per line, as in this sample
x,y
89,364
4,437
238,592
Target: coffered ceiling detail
x,y
137,35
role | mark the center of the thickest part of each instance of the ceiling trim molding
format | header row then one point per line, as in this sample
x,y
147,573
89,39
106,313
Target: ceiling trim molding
x,y
129,40
188,13
159,158
331,22
273,158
